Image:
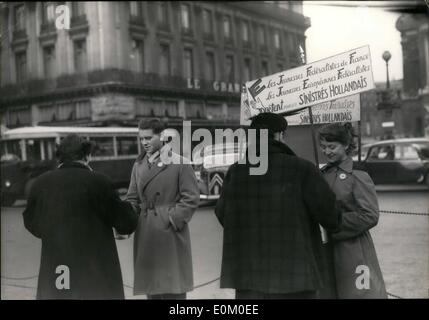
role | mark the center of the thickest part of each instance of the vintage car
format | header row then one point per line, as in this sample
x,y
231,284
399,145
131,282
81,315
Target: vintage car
x,y
398,161
211,164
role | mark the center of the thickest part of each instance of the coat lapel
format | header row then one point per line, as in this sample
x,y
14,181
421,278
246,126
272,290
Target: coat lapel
x,y
150,173
330,176
347,165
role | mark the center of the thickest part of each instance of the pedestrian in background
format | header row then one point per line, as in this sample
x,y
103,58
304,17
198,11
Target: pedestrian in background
x,y
272,246
166,195
353,248
72,210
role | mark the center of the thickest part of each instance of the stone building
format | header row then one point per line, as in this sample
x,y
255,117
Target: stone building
x,y
112,63
414,30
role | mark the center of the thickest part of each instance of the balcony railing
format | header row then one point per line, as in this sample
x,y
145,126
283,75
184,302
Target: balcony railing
x,y
137,20
247,44
76,21
19,34
83,80
187,32
229,41
163,26
48,27
268,10
263,48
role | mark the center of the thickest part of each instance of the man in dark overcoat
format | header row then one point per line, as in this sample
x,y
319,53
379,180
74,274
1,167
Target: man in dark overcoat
x,y
73,209
272,246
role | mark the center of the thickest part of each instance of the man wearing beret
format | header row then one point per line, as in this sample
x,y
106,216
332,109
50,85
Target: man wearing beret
x,y
73,210
272,246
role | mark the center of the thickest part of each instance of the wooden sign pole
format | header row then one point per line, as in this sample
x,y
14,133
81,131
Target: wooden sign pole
x,y
313,135
360,131
359,141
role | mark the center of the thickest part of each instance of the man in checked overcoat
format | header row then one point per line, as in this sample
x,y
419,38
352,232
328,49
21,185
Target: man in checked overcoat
x,y
272,245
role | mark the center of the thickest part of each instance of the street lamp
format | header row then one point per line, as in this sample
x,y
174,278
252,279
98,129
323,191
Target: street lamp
x,y
386,57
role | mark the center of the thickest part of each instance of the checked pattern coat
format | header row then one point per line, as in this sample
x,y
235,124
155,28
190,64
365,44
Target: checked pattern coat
x,y
272,240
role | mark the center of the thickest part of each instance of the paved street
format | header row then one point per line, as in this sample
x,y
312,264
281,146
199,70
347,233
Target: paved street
x,y
402,243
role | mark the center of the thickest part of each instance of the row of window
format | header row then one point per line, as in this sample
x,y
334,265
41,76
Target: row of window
x,y
67,111
210,62
114,146
144,107
44,149
156,108
393,152
208,24
47,13
80,61
136,12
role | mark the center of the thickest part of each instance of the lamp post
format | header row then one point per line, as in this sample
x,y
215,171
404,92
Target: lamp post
x,y
386,102
386,57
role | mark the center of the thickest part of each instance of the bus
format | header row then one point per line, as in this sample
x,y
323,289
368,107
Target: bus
x,y
27,152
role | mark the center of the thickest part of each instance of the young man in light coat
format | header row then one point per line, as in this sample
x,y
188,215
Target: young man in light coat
x,y
166,196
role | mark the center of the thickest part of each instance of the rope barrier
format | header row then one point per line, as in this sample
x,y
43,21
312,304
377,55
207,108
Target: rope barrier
x,y
24,278
395,296
196,287
18,286
127,286
405,213
206,283
216,279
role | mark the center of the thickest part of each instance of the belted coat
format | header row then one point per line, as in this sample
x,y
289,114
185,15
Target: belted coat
x,y
166,195
354,253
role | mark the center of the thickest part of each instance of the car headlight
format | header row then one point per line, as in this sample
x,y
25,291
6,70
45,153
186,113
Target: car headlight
x,y
7,183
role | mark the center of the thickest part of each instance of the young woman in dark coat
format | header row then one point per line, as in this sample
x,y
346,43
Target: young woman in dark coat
x,y
72,210
357,272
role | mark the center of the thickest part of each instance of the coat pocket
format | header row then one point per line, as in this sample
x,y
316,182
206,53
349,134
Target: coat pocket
x,y
162,217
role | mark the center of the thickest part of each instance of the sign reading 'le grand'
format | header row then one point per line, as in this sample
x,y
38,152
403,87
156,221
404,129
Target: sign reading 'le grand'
x,y
218,86
333,78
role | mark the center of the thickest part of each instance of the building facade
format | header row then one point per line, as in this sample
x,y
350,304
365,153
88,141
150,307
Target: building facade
x,y
379,121
414,30
114,63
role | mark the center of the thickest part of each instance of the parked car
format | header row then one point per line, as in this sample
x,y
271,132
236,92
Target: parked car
x,y
398,161
363,153
211,164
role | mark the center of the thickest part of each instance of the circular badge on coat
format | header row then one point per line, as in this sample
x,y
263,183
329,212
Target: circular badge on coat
x,y
343,176
160,164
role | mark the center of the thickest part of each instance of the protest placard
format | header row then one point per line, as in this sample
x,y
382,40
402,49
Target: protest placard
x,y
346,109
333,78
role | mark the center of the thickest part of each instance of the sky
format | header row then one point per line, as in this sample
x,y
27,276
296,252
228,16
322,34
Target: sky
x,y
335,29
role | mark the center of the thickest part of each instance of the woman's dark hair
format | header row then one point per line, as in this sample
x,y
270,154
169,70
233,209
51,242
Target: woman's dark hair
x,y
155,124
339,132
73,148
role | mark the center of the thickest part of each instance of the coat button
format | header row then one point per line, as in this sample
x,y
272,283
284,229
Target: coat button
x,y
343,176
